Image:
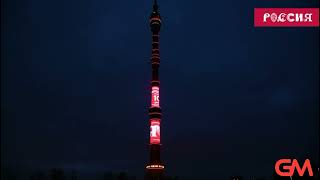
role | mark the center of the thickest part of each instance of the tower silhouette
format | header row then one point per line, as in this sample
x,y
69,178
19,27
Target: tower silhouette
x,y
155,168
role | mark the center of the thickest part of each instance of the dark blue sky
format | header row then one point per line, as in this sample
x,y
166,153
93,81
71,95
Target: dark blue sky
x,y
75,86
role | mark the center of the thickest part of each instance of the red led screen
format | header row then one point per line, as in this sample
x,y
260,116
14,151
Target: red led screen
x,y
155,132
155,101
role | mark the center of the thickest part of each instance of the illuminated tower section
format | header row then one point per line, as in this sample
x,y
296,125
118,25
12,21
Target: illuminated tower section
x,y
155,168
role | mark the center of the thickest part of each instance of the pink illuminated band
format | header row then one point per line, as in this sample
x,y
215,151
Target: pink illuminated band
x,y
155,19
155,22
155,98
154,131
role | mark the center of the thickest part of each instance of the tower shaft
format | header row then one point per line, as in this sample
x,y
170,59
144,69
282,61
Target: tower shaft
x,y
155,168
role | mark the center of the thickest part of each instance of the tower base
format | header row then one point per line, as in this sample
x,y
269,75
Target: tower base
x,y
154,174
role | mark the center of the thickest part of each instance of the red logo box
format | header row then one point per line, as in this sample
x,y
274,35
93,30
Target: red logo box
x,y
286,17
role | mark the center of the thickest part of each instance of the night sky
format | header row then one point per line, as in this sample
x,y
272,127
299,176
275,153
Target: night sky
x,y
75,87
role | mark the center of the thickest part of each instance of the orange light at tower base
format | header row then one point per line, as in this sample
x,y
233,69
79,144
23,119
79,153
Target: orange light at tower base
x,y
155,166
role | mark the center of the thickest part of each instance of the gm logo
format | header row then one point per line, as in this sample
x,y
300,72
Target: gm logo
x,y
288,167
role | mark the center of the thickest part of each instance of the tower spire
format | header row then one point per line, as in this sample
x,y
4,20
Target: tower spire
x,y
155,6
